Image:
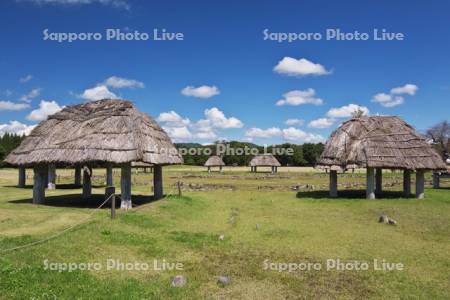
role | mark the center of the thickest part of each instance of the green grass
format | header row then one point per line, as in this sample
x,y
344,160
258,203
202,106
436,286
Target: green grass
x,y
261,217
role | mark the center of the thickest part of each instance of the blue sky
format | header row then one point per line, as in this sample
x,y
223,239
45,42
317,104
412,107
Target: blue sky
x,y
223,80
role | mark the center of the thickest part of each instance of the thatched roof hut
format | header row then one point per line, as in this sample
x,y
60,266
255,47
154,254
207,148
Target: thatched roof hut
x,y
105,132
264,160
214,161
379,142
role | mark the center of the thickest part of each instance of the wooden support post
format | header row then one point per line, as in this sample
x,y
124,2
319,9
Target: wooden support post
x,y
125,186
333,184
51,185
379,181
406,183
157,182
22,177
209,169
370,192
77,179
179,189
255,169
436,180
109,175
40,175
110,192
273,169
220,168
420,184
87,183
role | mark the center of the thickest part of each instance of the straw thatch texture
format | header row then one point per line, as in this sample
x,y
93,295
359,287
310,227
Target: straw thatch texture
x,y
214,161
264,160
111,131
380,141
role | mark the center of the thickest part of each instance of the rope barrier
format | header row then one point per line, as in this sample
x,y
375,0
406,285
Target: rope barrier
x,y
57,234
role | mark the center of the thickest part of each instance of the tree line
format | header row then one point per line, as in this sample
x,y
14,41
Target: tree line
x,y
287,154
8,142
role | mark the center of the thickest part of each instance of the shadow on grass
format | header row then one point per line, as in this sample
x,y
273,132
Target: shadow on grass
x,y
350,194
76,200
58,186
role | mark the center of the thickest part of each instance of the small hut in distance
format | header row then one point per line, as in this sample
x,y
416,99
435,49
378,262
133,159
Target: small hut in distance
x,y
376,143
214,161
264,160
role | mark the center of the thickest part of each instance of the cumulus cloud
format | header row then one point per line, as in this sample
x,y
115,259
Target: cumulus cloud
x,y
114,3
299,67
31,95
218,120
346,111
15,127
26,78
293,122
298,97
321,123
296,135
119,82
408,88
289,134
46,108
8,105
98,93
263,133
394,98
203,91
182,129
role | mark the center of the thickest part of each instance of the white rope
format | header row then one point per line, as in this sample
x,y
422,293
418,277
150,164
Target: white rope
x,y
57,234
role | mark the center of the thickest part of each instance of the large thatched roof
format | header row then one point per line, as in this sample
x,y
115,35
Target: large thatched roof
x,y
102,131
380,141
214,161
264,160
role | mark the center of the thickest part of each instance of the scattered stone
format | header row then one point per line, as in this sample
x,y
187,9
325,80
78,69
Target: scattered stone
x,y
179,281
223,280
383,219
221,237
392,222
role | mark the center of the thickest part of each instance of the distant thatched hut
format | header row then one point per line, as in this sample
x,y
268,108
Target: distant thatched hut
x,y
376,143
264,160
103,133
214,161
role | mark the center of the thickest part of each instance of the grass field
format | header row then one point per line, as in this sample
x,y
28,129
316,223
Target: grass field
x,y
283,218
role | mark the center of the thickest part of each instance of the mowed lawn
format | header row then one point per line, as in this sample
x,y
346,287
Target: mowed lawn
x,y
284,218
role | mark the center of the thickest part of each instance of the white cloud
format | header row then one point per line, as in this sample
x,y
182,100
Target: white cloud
x,y
8,105
98,93
387,100
298,97
393,99
26,78
15,127
172,119
299,67
263,133
289,134
346,111
182,129
203,91
119,82
409,89
31,95
8,93
296,135
217,119
293,122
114,3
46,108
321,123
178,133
